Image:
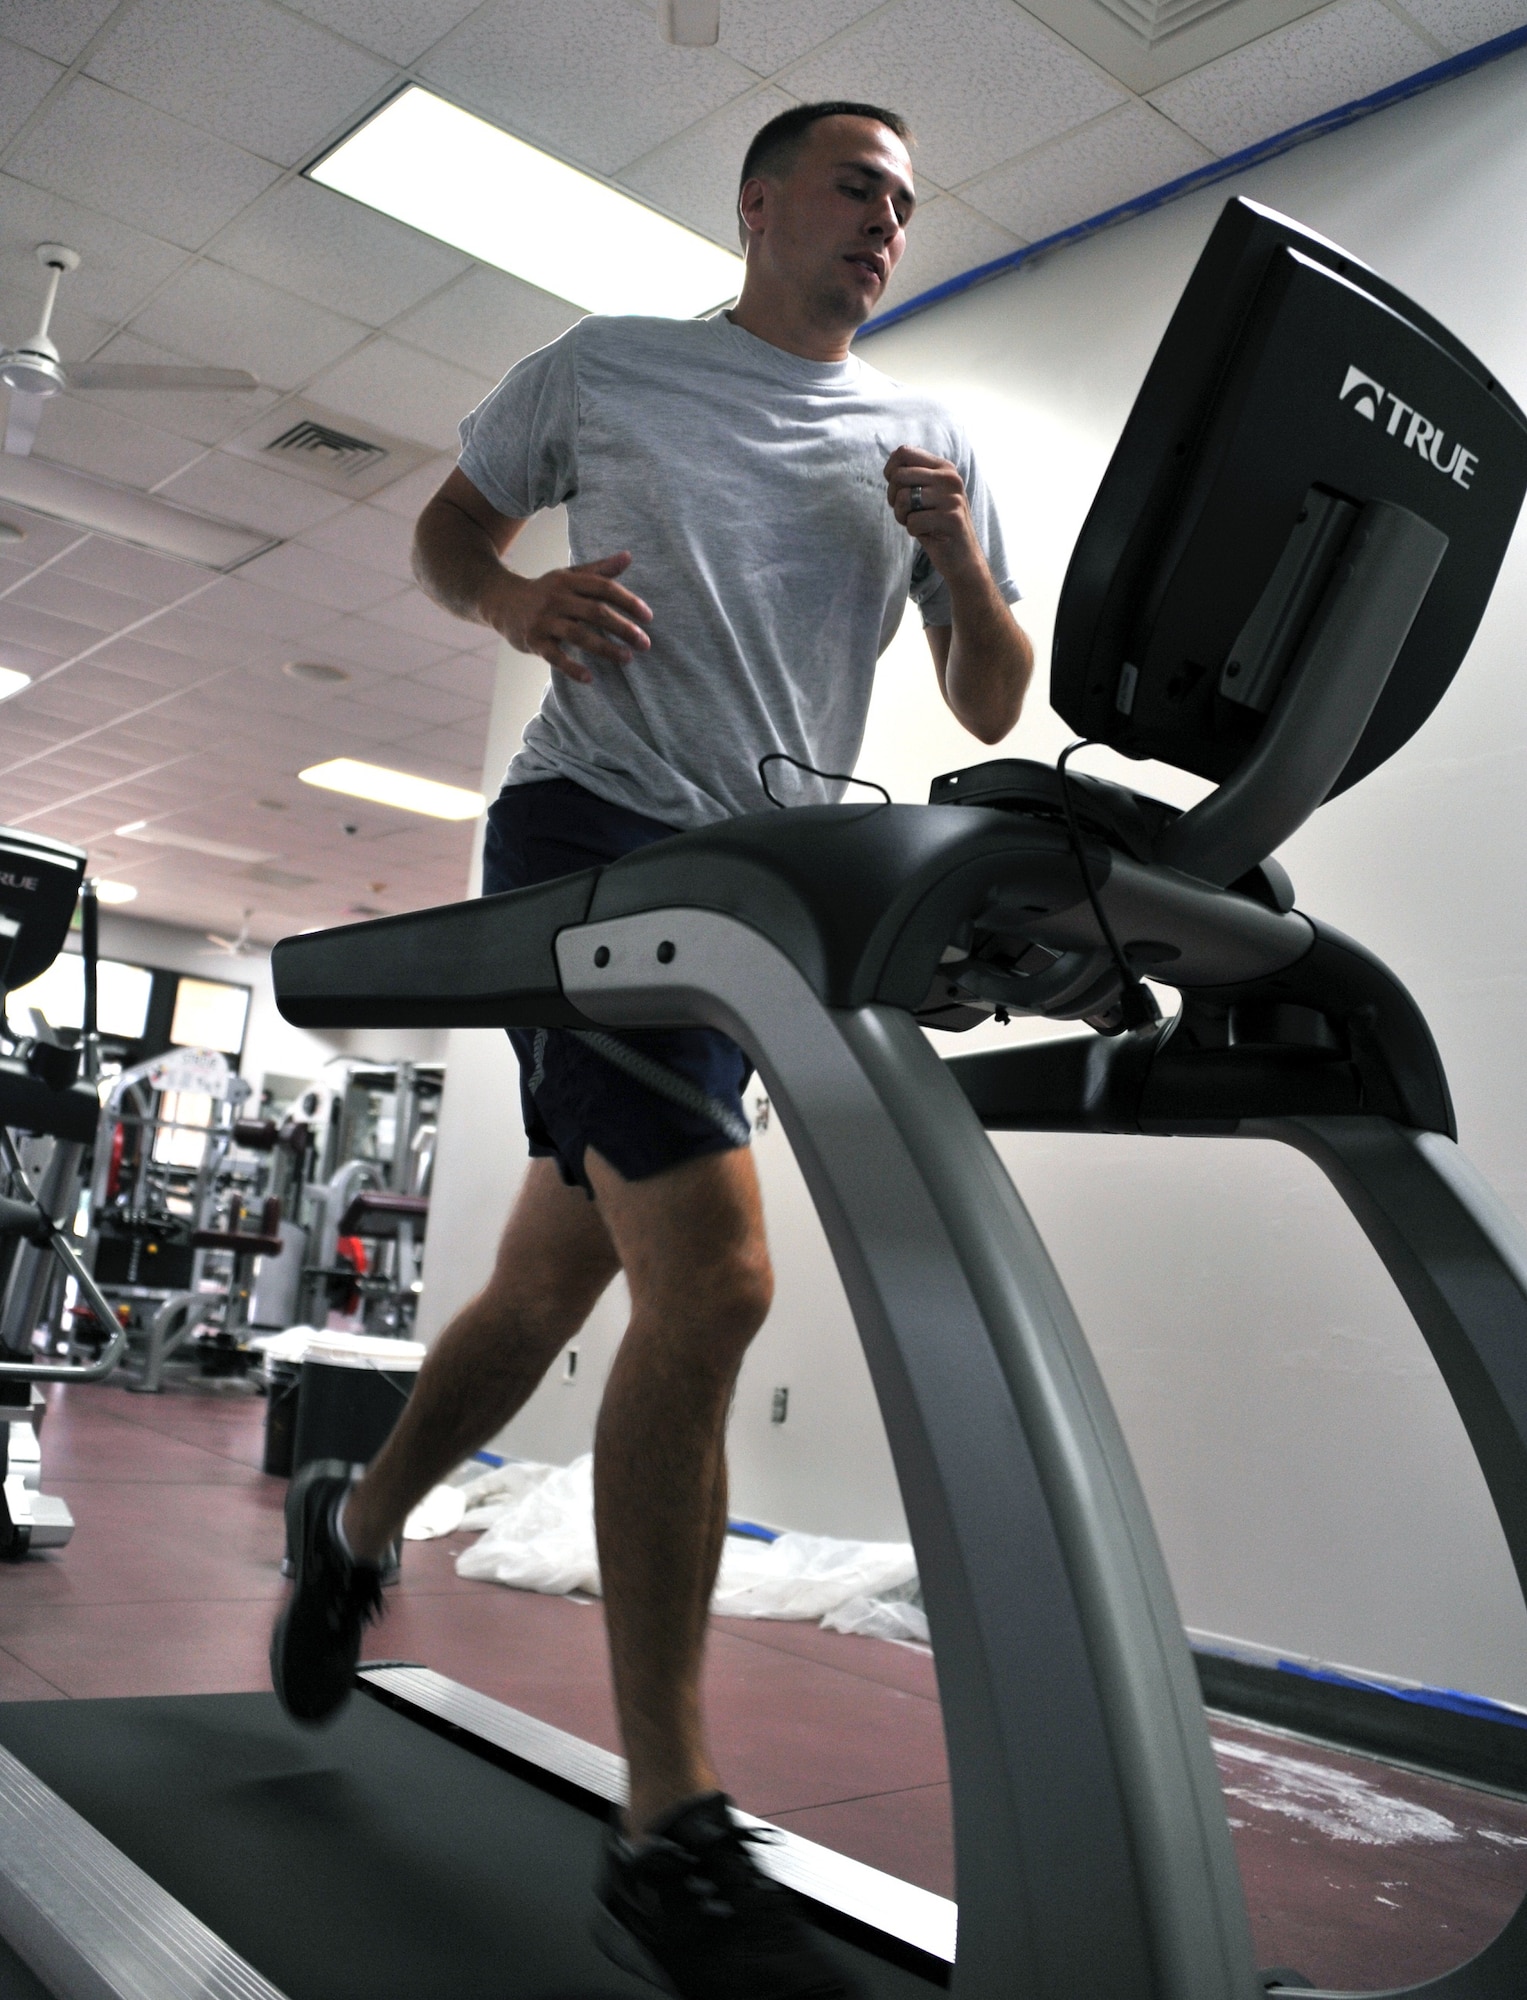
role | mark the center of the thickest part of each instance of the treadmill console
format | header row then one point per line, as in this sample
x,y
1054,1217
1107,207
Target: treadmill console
x,y
1292,389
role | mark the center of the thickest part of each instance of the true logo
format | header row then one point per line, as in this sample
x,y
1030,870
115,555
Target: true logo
x,y
8,881
1366,396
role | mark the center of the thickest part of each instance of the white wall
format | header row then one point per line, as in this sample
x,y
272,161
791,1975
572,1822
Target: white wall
x,y
1312,1484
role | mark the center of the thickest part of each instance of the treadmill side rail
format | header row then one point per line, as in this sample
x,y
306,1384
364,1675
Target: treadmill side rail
x,y
1092,1849
89,1922
868,1897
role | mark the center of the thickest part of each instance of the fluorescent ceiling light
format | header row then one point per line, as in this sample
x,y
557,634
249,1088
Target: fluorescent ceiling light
x,y
116,892
394,788
163,836
458,178
12,682
127,515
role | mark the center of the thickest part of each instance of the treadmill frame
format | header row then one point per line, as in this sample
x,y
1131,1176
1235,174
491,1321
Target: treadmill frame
x,y
1092,1847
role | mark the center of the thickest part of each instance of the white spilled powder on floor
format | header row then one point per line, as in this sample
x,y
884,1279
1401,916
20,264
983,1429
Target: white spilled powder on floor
x,y
1338,1804
537,1524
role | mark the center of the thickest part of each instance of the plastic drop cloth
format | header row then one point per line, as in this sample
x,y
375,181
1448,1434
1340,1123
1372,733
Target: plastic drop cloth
x,y
538,1534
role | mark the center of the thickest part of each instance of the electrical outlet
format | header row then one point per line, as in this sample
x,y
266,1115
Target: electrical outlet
x,y
570,1367
779,1409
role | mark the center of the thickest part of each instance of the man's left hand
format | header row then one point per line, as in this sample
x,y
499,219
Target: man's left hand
x,y
927,496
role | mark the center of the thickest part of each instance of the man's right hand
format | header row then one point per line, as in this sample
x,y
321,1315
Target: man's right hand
x,y
459,546
581,608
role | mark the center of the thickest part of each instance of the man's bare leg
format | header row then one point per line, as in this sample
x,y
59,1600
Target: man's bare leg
x,y
554,1260
692,1244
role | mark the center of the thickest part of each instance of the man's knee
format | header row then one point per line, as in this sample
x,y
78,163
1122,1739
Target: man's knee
x,y
720,1296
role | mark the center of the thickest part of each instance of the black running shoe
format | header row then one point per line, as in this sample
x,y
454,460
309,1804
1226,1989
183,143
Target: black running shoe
x,y
691,1912
317,1640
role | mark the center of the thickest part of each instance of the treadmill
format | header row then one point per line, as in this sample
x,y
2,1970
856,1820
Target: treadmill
x,y
1283,568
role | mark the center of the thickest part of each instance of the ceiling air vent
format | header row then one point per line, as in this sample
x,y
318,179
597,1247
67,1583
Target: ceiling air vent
x,y
327,449
335,449
1154,20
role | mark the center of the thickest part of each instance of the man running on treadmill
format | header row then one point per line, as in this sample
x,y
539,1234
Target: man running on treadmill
x,y
749,508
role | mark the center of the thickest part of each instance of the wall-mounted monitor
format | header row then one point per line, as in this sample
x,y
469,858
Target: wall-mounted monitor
x,y
209,1014
122,997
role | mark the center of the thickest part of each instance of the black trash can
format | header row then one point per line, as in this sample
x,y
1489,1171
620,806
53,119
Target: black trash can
x,y
347,1405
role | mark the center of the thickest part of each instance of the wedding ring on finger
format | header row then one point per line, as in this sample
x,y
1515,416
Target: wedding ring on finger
x,y
915,501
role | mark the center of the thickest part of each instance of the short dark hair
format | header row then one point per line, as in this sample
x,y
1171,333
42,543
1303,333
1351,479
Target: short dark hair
x,y
775,145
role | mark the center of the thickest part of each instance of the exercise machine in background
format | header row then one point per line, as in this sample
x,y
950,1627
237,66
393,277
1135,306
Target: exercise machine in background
x,y
1263,527
47,1122
366,1211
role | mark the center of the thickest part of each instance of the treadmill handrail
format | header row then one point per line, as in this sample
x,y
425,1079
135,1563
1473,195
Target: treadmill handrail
x,y
864,902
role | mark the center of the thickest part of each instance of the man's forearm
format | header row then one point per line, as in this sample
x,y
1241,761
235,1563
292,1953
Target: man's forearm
x,y
990,659
456,563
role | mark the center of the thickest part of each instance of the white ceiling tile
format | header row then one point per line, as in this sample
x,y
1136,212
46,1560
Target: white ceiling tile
x,y
25,80
766,34
31,660
321,577
1083,174
154,665
694,176
977,79
366,535
1464,24
130,161
419,615
401,30
464,674
431,706
457,752
249,604
52,29
204,642
395,386
70,597
234,489
1327,59
228,320
342,719
121,265
946,239
486,322
340,254
78,433
366,644
134,572
81,698
207,416
61,636
407,496
248,71
590,79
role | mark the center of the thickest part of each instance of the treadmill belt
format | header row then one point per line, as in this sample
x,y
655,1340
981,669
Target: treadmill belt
x,y
372,1860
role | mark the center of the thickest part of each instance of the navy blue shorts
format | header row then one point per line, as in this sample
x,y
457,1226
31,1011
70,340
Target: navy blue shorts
x,y
577,1088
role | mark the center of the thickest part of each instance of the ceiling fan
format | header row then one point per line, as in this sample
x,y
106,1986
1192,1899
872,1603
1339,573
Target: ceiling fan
x,y
235,947
33,371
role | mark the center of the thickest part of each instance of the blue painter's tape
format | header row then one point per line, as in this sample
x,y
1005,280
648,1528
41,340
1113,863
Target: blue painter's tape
x,y
1206,176
752,1532
1477,1705
486,1458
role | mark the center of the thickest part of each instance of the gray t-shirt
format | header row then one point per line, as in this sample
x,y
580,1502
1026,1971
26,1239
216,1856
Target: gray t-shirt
x,y
747,484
